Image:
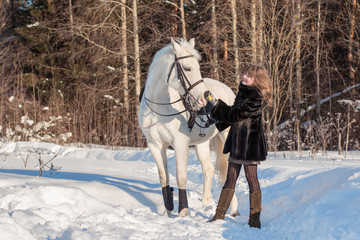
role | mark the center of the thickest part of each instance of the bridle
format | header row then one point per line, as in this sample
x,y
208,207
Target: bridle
x,y
182,76
186,98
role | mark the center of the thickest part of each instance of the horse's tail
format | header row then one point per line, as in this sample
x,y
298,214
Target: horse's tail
x,y
221,158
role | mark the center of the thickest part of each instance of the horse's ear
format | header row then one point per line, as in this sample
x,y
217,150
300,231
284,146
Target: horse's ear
x,y
192,42
175,46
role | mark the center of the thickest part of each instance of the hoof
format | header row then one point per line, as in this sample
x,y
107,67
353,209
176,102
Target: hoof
x,y
216,217
254,220
168,197
183,212
167,213
235,214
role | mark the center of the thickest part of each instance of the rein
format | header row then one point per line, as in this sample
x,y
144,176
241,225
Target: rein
x,y
164,115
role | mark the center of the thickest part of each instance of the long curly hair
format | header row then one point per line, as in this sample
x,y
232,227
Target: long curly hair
x,y
261,81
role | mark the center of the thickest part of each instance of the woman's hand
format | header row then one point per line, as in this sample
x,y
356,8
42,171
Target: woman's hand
x,y
210,98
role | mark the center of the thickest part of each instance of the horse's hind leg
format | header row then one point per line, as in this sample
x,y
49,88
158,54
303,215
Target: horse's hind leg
x,y
159,155
203,153
234,207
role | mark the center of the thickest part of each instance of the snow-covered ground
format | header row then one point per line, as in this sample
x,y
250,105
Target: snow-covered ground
x,y
115,194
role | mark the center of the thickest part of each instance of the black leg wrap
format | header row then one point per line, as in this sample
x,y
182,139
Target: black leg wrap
x,y
183,203
167,192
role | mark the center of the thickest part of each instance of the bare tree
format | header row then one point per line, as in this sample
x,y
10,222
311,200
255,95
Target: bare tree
x,y
5,50
215,40
298,34
125,63
261,32
277,42
71,19
351,42
253,31
124,56
235,41
183,23
317,63
136,51
137,61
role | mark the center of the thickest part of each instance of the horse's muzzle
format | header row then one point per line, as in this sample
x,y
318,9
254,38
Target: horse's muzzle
x,y
201,102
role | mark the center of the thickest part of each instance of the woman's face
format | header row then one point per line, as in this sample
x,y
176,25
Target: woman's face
x,y
247,80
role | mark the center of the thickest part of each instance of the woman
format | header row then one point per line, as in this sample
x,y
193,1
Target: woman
x,y
245,142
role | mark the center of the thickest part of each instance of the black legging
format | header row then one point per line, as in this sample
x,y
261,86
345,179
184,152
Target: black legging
x,y
250,174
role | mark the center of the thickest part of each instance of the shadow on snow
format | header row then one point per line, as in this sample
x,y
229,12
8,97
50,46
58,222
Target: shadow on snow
x,y
135,188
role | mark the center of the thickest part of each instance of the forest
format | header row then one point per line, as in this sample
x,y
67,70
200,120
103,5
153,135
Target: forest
x,y
71,71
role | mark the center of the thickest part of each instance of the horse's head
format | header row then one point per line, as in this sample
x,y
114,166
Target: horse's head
x,y
185,76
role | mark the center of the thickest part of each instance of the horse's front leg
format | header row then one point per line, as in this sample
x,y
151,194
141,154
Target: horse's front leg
x,y
203,153
182,157
159,155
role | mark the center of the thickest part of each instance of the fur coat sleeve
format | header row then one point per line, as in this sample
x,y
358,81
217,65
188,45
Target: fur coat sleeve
x,y
227,114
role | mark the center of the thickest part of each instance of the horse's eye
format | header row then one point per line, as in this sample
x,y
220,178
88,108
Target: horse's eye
x,y
187,69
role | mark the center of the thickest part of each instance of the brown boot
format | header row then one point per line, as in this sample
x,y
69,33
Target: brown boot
x,y
255,209
223,204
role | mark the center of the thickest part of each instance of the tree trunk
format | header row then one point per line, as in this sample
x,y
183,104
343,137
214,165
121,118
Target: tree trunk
x,y
291,84
136,52
183,24
235,41
261,33
317,66
298,33
339,135
137,63
351,42
226,50
347,130
71,19
51,6
215,41
174,27
125,65
291,97
253,32
71,16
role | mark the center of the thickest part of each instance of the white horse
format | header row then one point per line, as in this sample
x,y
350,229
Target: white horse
x,y
173,92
